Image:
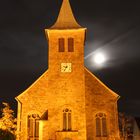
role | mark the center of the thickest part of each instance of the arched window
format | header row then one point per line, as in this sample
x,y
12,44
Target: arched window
x,y
33,127
101,125
61,43
66,120
70,45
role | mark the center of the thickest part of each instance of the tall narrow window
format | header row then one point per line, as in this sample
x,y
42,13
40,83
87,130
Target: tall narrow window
x,y
64,121
98,127
30,126
104,127
37,128
67,120
33,127
61,44
70,45
101,125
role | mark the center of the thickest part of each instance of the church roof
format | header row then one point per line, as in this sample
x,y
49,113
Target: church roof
x,y
65,18
99,84
43,79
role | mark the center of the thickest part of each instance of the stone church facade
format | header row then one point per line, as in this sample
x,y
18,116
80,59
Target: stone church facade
x,y
67,102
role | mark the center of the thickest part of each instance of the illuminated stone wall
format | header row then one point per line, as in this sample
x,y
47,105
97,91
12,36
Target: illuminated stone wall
x,y
100,99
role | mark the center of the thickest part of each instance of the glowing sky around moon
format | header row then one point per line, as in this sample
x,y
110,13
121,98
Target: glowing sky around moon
x,y
99,58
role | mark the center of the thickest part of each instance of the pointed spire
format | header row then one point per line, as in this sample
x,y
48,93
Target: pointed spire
x,y
65,18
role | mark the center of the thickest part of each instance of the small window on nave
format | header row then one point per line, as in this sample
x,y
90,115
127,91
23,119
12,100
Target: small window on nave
x,y
61,44
33,127
70,45
101,125
67,120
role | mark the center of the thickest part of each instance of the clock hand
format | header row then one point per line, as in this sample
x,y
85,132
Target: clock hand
x,y
65,67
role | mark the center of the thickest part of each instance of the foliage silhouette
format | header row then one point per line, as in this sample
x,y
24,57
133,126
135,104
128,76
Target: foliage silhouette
x,y
6,135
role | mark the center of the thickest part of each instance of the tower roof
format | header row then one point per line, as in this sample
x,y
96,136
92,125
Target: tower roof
x,y
65,18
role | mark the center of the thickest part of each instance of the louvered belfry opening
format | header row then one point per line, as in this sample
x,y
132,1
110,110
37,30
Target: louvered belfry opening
x,y
70,45
33,127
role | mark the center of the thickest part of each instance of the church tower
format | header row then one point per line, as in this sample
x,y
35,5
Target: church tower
x,y
67,102
66,70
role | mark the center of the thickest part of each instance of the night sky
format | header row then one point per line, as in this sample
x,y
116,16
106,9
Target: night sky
x,y
113,28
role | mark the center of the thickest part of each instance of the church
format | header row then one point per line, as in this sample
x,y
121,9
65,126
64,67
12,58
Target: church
x,y
67,102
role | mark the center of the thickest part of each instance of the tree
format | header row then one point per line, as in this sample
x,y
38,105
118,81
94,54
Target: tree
x,y
6,135
7,123
126,126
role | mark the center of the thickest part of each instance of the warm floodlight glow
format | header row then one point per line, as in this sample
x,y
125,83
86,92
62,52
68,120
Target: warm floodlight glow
x,y
99,58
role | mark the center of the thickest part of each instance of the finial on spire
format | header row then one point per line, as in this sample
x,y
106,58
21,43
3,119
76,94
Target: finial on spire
x,y
65,18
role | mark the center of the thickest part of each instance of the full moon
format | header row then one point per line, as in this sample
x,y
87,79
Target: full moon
x,y
99,58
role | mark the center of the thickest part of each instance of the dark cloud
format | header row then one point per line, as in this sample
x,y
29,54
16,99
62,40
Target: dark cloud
x,y
113,27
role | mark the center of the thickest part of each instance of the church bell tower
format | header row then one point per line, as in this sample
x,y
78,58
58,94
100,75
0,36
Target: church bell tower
x,y
66,40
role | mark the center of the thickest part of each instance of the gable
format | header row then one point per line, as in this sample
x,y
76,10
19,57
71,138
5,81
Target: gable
x,y
95,86
91,81
38,87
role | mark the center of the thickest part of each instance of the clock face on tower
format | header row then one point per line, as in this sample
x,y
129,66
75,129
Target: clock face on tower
x,y
66,67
